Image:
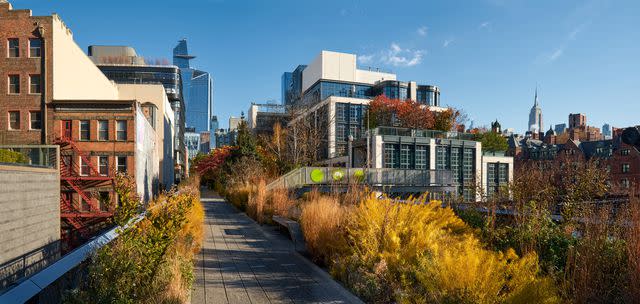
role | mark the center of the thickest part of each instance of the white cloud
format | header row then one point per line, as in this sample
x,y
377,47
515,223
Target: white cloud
x,y
422,31
365,59
485,24
556,54
447,42
399,57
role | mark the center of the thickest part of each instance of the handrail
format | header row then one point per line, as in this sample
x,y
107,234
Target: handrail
x,y
30,287
377,177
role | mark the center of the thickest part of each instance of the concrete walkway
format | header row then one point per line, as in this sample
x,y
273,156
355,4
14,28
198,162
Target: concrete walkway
x,y
243,262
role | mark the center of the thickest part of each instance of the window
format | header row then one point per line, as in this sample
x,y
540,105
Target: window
x,y
624,183
121,163
85,133
14,120
422,159
35,120
121,130
14,84
84,167
391,159
103,130
468,158
626,168
624,152
341,112
34,84
104,199
103,165
454,163
406,156
441,158
14,48
35,48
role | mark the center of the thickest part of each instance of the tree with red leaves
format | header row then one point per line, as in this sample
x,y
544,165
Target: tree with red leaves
x,y
214,160
384,111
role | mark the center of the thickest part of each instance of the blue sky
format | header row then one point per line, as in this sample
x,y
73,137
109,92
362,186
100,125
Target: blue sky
x,y
485,55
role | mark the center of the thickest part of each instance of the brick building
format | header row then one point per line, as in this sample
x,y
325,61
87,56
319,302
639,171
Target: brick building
x,y
620,156
46,72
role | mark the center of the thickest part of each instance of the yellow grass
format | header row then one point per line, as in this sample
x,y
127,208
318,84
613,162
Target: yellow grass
x,y
322,222
420,252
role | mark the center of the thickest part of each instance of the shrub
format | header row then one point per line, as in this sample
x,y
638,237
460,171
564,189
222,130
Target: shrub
x,y
413,252
239,196
322,221
281,204
256,202
152,261
8,156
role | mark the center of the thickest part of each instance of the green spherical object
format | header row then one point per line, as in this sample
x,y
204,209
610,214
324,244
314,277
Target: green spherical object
x,y
358,175
316,175
337,175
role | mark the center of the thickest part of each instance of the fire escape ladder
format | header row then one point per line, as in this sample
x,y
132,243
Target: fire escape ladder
x,y
83,156
86,197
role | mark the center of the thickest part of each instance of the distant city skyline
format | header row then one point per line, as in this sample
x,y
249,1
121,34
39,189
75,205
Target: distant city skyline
x,y
484,58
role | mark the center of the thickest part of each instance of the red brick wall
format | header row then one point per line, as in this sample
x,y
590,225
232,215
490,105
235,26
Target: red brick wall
x,y
20,24
94,147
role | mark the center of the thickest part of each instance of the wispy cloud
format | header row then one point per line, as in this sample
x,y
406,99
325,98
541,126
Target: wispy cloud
x,y
422,31
395,55
447,42
343,12
581,18
577,30
365,59
485,25
556,54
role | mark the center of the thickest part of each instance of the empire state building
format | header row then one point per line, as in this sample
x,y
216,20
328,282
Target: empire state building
x,y
535,116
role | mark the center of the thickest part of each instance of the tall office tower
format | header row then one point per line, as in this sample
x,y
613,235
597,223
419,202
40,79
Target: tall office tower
x,y
286,88
197,88
606,131
535,116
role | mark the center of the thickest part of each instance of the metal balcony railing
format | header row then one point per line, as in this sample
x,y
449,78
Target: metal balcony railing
x,y
307,176
422,133
44,156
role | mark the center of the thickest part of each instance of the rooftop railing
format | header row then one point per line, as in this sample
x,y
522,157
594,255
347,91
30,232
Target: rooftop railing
x,y
43,156
422,133
271,108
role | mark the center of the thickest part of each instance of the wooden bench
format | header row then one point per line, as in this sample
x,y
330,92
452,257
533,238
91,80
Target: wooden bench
x,y
293,229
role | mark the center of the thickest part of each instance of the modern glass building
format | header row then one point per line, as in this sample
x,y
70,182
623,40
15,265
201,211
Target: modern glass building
x,y
192,142
291,85
335,93
168,76
122,65
428,95
286,87
454,152
198,89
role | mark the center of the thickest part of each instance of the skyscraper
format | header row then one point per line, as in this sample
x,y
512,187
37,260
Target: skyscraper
x,y
197,88
285,84
606,131
535,116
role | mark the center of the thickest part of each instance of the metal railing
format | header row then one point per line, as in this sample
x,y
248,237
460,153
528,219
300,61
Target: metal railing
x,y
307,176
31,286
422,133
270,108
44,156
